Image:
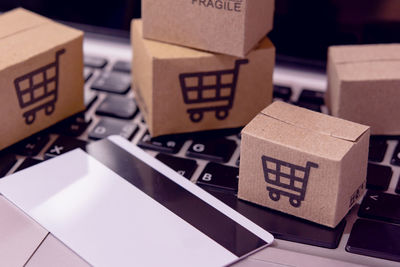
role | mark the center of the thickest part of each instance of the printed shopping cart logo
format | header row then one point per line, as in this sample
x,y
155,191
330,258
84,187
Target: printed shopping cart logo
x,y
38,89
210,91
284,178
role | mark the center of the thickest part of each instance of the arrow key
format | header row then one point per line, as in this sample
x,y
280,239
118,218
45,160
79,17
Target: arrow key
x,y
380,206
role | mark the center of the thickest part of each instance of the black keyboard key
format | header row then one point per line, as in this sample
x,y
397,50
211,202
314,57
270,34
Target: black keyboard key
x,y
118,107
74,126
94,62
32,146
7,161
123,66
396,156
311,96
62,145
218,150
107,126
28,162
377,149
238,161
166,144
380,206
310,106
284,226
378,177
87,73
220,176
282,92
375,239
185,167
113,82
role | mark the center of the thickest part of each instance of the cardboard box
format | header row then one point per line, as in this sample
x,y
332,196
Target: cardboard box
x,y
232,27
363,85
183,90
41,81
303,163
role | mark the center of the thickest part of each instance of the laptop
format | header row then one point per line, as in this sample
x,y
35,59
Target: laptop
x,y
302,33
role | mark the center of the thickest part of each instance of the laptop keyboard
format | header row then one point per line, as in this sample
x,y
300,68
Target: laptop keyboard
x,y
211,160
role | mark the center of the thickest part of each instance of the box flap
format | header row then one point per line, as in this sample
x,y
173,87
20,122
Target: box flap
x,y
318,122
19,20
32,35
364,53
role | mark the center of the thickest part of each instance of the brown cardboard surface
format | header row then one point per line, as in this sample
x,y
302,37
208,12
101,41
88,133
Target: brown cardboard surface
x,y
328,154
363,82
30,45
20,235
223,26
19,22
161,80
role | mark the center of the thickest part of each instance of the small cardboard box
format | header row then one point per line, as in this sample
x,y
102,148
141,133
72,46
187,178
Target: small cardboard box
x,y
303,163
232,27
183,90
41,81
363,85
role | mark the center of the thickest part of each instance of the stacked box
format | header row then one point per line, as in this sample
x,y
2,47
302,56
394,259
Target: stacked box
x,y
232,27
181,89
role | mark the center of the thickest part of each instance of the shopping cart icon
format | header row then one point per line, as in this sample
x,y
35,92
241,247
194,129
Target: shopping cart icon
x,y
38,89
286,179
210,91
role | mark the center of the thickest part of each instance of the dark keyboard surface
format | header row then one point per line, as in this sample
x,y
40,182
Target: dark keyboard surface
x,y
375,239
212,160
